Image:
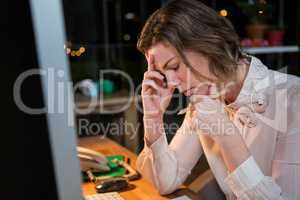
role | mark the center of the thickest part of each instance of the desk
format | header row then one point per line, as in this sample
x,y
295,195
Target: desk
x,y
143,190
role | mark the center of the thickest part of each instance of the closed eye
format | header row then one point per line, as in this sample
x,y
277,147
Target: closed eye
x,y
175,68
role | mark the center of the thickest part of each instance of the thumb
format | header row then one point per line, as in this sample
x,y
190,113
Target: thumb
x,y
208,105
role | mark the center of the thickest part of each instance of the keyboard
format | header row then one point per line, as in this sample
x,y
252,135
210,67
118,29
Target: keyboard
x,y
105,196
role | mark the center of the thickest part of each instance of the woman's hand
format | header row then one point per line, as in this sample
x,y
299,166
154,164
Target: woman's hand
x,y
209,116
156,96
211,119
156,92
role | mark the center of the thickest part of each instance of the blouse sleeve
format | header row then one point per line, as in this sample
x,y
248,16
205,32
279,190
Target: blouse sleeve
x,y
248,181
167,166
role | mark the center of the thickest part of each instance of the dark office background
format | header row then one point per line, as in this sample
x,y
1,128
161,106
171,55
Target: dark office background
x,y
108,30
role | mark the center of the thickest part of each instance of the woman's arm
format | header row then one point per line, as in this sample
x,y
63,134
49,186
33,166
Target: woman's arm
x,y
233,149
245,178
248,182
211,119
167,166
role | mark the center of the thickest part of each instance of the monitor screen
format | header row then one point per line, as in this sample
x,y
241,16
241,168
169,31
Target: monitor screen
x,y
43,158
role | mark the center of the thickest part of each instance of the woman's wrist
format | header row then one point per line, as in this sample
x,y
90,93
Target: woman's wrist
x,y
153,126
153,117
153,129
151,138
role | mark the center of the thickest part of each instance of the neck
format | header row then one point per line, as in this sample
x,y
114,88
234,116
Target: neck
x,y
234,90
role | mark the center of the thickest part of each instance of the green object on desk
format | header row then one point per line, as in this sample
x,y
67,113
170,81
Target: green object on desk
x,y
108,86
105,85
115,170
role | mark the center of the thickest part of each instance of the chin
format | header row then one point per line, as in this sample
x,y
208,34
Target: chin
x,y
201,91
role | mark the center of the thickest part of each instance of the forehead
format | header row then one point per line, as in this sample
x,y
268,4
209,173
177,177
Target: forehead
x,y
161,52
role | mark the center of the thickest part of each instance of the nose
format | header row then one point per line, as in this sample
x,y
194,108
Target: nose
x,y
172,78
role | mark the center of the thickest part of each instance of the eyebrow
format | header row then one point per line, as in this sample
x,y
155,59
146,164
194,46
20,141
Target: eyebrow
x,y
166,64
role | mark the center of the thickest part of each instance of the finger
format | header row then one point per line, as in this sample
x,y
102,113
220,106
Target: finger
x,y
170,80
201,99
147,91
150,63
153,74
204,99
157,76
195,99
151,83
208,106
214,92
170,89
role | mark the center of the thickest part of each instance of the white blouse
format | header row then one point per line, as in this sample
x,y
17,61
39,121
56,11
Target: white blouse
x,y
267,114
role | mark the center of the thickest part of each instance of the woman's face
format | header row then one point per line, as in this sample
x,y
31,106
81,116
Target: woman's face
x,y
168,62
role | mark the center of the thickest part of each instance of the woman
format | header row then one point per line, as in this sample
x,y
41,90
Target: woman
x,y
242,116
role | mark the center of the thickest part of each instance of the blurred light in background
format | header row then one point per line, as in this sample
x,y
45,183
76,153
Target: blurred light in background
x,y
126,37
68,50
129,15
82,49
223,13
74,52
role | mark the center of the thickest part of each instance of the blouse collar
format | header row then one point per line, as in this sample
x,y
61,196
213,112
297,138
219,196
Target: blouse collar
x,y
257,71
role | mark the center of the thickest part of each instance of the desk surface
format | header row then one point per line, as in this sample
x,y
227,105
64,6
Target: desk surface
x,y
143,189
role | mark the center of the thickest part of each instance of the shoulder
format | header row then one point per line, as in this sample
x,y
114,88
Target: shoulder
x,y
280,92
269,81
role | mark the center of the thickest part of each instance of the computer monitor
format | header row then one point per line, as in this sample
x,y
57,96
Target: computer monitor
x,y
47,166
